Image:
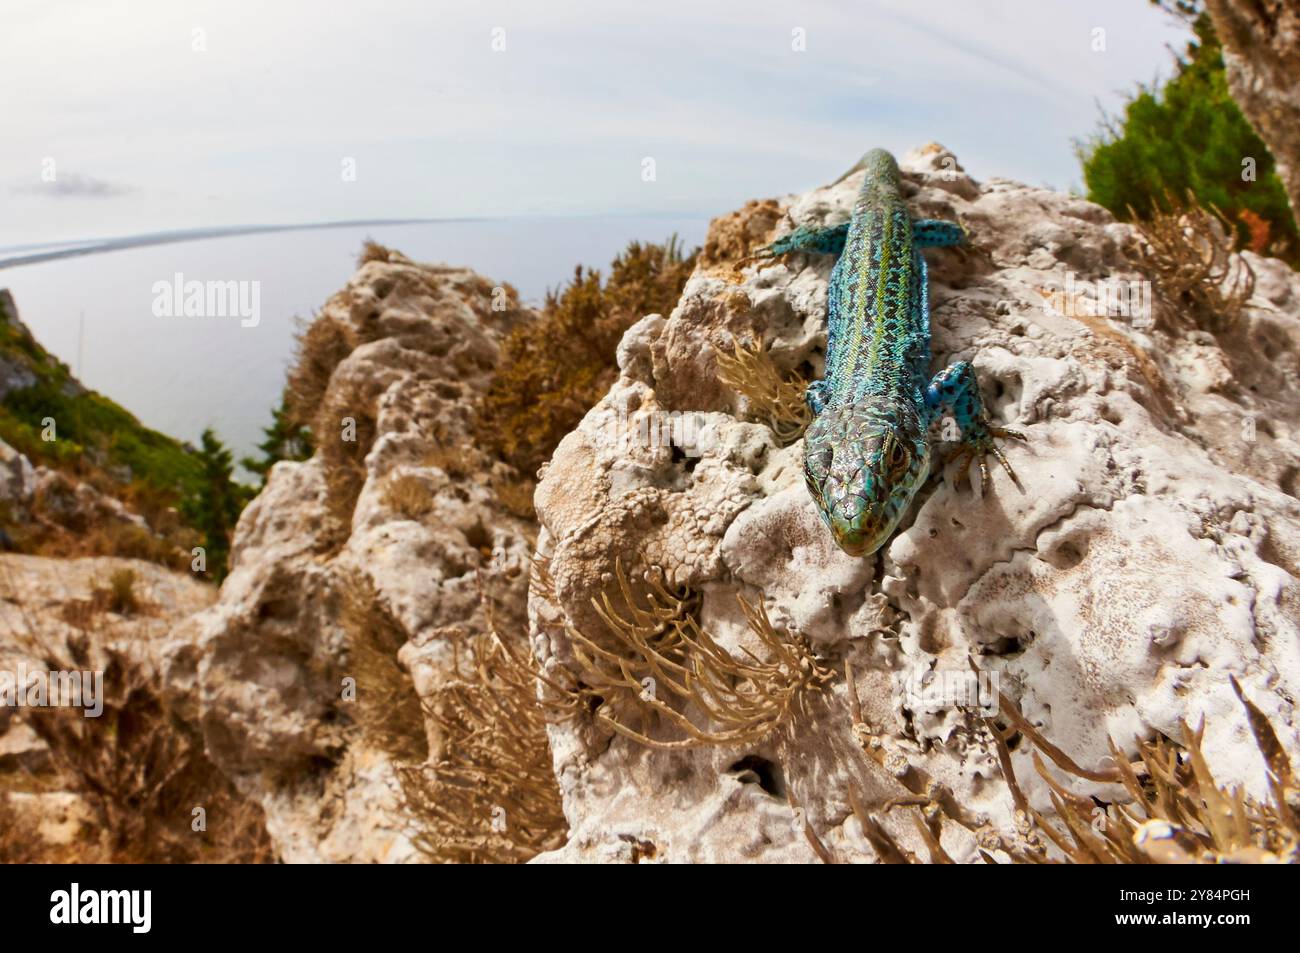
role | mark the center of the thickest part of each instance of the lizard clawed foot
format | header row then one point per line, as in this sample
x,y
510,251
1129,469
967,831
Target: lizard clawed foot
x,y
977,444
764,258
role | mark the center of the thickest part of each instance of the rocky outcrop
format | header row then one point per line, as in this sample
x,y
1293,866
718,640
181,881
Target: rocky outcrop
x,y
267,672
1154,552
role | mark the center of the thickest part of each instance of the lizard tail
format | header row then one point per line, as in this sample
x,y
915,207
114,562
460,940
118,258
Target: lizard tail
x,y
880,165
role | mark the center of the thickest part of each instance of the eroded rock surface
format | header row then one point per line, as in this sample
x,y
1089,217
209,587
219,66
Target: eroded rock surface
x,y
1154,552
264,672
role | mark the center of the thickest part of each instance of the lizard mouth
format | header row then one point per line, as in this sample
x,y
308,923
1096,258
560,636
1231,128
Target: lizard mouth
x,y
861,540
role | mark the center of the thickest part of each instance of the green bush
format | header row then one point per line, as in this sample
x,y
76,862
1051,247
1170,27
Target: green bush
x,y
213,504
101,443
1189,136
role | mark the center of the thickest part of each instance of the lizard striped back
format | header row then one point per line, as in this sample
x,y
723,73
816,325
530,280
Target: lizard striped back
x,y
877,342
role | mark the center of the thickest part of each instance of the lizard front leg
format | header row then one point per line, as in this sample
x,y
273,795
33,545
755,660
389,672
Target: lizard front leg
x,y
956,391
816,396
806,239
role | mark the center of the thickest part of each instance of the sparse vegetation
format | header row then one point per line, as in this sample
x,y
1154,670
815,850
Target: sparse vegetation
x,y
1188,251
473,757
407,495
659,663
1169,809
321,347
488,794
345,429
120,595
554,369
389,712
145,773
771,396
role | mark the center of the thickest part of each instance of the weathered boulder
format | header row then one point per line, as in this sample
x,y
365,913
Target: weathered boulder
x,y
392,505
1154,552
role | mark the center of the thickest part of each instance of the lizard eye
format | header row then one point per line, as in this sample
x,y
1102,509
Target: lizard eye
x,y
898,457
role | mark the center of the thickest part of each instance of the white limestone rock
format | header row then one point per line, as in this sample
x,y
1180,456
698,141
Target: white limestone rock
x,y
1154,552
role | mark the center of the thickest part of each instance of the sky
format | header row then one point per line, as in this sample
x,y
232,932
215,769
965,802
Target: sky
x,y
128,116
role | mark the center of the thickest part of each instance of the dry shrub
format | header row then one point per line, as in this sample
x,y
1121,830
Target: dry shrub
x,y
733,236
554,369
772,398
483,790
515,496
96,532
144,772
344,459
17,844
120,596
320,347
490,794
1176,812
456,459
657,661
371,250
388,708
407,495
1189,251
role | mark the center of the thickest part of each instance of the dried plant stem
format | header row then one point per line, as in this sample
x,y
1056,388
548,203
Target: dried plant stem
x,y
772,398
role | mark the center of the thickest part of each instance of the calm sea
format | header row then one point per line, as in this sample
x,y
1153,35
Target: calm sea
x,y
181,374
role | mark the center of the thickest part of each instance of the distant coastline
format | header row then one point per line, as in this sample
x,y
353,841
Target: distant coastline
x,y
51,251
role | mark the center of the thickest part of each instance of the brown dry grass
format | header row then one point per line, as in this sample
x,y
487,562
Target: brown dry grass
x,y
473,760
371,250
58,525
389,711
515,496
144,773
456,459
1174,812
490,795
17,845
344,459
657,664
319,348
770,396
407,495
1189,251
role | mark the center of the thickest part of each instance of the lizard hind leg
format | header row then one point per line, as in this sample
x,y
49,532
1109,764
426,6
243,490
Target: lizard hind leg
x,y
936,233
955,390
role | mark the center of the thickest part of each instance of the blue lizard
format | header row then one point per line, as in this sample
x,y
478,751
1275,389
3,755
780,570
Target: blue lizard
x,y
867,451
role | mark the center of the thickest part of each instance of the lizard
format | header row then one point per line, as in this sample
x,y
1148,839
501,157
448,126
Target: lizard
x,y
867,450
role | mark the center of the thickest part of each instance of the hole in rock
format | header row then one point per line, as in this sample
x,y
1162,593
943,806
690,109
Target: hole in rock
x,y
478,537
753,769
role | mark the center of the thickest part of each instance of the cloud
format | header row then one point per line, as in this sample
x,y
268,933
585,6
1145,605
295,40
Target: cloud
x,y
74,185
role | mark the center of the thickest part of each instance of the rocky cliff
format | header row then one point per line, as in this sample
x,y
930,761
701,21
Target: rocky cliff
x,y
387,533
716,680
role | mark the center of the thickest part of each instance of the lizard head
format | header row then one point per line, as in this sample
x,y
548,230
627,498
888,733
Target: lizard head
x,y
863,463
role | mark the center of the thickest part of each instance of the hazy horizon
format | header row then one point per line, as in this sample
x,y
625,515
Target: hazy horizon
x,y
124,118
